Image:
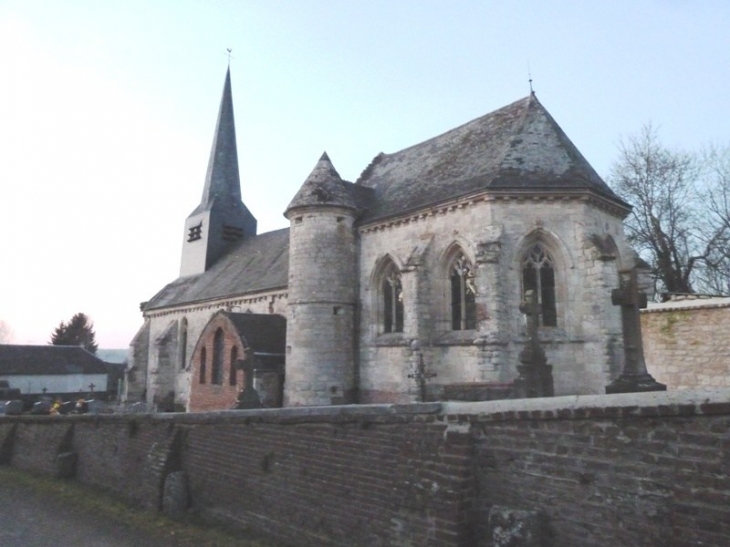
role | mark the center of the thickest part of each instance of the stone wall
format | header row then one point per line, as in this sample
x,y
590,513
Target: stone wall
x,y
686,344
597,471
588,248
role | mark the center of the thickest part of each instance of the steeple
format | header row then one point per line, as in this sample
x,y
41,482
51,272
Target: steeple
x,y
222,178
221,218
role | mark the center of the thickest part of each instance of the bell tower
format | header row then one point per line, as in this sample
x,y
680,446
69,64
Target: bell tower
x,y
221,219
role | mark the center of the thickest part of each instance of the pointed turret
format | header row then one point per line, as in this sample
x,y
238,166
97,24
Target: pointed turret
x,y
221,218
320,362
323,187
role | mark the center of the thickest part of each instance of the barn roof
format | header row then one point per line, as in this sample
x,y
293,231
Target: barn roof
x,y
48,360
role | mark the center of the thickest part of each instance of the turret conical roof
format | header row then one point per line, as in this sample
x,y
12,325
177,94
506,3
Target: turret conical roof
x,y
323,187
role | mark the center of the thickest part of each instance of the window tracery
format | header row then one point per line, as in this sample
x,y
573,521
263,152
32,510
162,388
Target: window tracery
x,y
391,289
538,274
463,294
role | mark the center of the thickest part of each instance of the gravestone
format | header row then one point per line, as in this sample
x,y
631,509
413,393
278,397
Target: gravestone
x,y
138,408
634,378
41,407
11,408
536,376
175,497
95,406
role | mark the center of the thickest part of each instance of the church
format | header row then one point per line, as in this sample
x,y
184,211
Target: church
x,y
402,286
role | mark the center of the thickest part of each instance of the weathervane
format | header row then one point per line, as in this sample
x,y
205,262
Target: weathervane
x,y
529,76
229,50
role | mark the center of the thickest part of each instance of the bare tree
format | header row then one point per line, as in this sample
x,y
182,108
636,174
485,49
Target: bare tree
x,y
6,333
680,223
714,275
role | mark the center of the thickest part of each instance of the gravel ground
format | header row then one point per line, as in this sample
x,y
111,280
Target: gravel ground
x,y
39,512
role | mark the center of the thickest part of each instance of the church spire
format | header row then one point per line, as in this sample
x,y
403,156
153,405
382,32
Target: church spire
x,y
222,178
221,218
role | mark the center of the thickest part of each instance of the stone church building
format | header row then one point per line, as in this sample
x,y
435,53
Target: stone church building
x,y
417,269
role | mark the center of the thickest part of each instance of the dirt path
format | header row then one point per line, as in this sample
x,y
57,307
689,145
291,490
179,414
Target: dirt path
x,y
40,512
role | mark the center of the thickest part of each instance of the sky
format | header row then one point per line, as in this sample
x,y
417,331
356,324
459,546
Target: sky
x,y
107,112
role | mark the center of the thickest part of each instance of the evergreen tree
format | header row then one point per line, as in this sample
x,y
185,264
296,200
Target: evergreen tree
x,y
79,331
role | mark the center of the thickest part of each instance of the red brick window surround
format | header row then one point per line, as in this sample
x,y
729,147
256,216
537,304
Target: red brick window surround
x,y
232,380
216,372
203,355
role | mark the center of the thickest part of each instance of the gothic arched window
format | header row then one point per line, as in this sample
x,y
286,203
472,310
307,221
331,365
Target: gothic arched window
x,y
232,368
183,342
538,274
203,364
391,290
463,294
216,376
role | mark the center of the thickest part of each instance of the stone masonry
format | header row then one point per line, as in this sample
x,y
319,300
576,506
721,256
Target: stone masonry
x,y
686,344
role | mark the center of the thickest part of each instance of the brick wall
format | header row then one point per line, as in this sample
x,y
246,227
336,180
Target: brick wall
x,y
637,469
686,345
208,395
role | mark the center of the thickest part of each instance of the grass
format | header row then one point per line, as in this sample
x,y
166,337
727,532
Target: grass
x,y
78,497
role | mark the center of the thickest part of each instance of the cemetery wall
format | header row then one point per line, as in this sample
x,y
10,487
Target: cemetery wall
x,y
635,469
686,345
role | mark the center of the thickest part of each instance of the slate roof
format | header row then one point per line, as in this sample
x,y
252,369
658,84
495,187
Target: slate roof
x,y
265,333
256,264
48,360
222,178
323,186
519,147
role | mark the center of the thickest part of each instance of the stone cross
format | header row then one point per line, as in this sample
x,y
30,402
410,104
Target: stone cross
x,y
536,376
532,310
635,377
248,397
421,377
92,385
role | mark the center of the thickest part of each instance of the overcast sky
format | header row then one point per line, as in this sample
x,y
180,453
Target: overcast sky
x,y
107,111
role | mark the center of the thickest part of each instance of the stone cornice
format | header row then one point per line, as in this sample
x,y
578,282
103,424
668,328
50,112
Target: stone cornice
x,y
531,195
217,303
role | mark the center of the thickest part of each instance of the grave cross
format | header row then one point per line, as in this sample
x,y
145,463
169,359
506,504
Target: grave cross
x,y
634,377
92,385
532,310
248,397
536,376
421,377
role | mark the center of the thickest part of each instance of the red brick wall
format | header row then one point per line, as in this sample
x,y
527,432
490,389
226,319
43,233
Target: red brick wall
x,y
606,471
210,396
622,476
